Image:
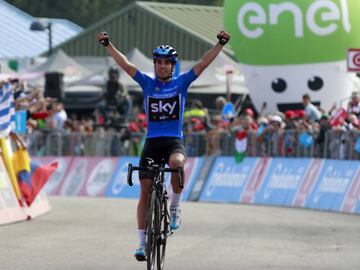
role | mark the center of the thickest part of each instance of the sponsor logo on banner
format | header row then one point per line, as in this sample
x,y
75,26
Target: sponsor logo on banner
x,y
255,180
99,177
55,179
118,186
281,181
352,198
353,60
227,179
75,178
332,185
307,185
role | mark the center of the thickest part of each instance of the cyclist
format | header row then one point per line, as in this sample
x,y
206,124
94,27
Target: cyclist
x,y
164,102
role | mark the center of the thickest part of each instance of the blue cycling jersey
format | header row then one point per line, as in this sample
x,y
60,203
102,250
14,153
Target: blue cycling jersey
x,y
164,103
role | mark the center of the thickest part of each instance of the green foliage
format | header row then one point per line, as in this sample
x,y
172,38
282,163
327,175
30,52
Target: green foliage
x,y
86,12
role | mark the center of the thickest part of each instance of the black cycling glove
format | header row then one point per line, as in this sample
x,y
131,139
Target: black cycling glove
x,y
222,40
105,41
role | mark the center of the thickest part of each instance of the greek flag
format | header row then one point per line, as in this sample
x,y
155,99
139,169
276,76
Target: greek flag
x,y
7,110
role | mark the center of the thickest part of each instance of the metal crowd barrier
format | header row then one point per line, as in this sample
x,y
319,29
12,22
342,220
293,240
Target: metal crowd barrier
x,y
286,143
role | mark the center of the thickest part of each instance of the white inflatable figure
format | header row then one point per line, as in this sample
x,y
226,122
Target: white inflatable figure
x,y
288,48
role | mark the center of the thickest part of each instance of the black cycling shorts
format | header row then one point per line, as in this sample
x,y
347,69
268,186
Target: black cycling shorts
x,y
156,149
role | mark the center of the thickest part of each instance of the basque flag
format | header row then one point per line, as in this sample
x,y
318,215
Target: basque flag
x,y
31,182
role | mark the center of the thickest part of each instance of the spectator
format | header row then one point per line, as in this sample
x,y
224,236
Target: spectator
x,y
58,117
311,112
353,106
226,108
250,113
197,118
271,137
353,122
115,103
305,138
324,128
213,137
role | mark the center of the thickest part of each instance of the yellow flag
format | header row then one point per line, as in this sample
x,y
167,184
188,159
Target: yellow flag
x,y
10,167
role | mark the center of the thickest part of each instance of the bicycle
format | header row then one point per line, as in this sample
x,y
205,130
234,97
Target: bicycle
x,y
157,223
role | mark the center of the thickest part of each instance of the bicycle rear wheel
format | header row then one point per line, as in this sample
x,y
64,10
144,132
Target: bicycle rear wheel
x,y
152,231
164,230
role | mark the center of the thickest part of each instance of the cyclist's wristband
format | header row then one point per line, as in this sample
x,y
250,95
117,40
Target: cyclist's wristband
x,y
104,41
222,40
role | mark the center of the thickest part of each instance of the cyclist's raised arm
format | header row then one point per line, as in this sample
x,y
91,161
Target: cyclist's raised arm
x,y
210,55
119,58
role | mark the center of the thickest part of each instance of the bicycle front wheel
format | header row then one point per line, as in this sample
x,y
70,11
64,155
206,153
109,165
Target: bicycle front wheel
x,y
164,230
152,231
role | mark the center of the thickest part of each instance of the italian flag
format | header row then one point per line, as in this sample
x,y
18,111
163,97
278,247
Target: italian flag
x,y
240,146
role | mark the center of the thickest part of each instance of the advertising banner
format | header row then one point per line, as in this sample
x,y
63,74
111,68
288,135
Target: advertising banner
x,y
351,203
288,48
281,182
308,182
118,186
75,178
255,180
227,179
100,172
88,176
353,60
332,185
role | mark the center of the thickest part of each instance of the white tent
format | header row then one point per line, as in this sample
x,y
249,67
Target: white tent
x,y
143,63
213,79
61,62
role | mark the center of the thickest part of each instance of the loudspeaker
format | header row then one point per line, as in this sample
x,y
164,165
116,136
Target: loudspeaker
x,y
54,85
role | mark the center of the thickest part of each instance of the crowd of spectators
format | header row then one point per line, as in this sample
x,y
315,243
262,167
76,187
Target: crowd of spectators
x,y
280,133
283,132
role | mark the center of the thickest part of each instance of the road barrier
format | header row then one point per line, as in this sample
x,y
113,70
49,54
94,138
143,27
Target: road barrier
x,y
324,184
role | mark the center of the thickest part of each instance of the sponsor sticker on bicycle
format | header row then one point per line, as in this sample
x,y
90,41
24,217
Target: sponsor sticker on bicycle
x,y
353,60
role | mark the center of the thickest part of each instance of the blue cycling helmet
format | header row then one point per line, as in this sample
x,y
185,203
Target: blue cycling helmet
x,y
165,51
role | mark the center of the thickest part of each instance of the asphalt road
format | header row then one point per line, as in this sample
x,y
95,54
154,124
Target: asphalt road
x,y
89,233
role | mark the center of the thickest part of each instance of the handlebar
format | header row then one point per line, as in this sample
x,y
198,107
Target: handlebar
x,y
132,168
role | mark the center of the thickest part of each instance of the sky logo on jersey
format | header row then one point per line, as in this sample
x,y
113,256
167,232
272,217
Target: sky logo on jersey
x,y
161,109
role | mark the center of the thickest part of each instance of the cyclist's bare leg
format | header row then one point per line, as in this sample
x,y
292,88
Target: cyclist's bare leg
x,y
145,185
176,161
